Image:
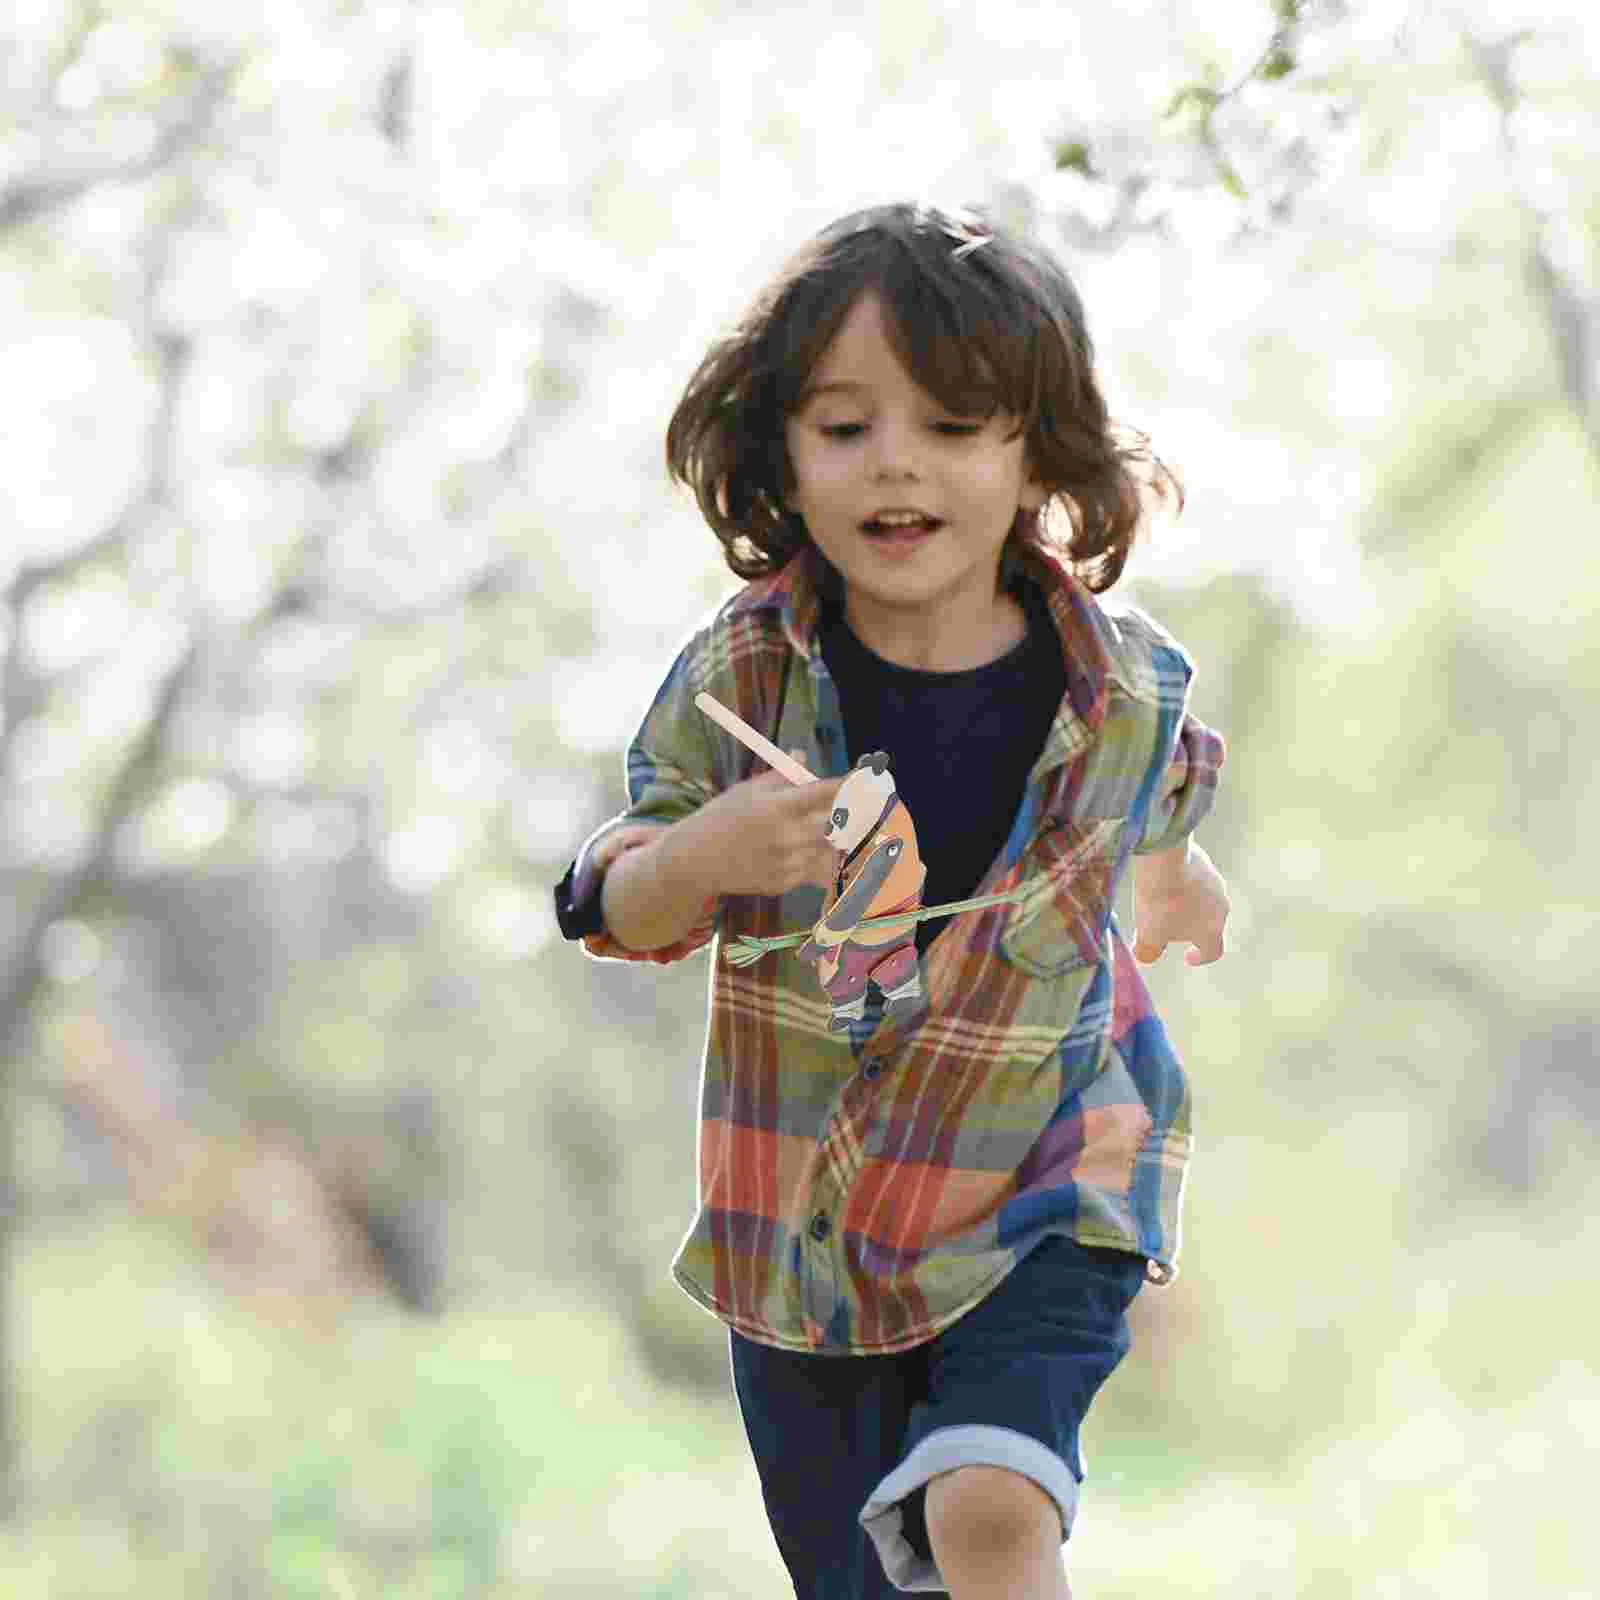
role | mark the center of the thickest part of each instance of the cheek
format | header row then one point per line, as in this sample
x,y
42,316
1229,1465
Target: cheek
x,y
817,471
823,485
802,471
998,476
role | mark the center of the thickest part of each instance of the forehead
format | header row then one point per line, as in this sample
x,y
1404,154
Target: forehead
x,y
858,357
861,360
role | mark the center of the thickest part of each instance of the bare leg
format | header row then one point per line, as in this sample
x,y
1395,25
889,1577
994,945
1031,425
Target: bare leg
x,y
996,1536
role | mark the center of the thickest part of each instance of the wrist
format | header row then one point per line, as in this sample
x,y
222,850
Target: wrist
x,y
684,867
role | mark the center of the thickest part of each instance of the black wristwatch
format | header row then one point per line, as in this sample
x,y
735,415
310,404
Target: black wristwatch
x,y
575,921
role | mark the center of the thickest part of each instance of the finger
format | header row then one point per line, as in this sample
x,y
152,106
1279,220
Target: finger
x,y
817,782
770,774
817,796
805,794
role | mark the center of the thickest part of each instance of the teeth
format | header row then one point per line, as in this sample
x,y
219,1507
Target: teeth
x,y
900,519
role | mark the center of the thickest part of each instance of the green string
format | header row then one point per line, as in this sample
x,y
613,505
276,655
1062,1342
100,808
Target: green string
x,y
748,948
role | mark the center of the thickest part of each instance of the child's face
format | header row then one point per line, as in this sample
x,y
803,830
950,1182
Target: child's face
x,y
886,443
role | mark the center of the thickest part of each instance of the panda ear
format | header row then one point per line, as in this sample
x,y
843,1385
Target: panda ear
x,y
878,760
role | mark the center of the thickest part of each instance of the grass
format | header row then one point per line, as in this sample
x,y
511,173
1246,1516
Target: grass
x,y
476,1455
176,1446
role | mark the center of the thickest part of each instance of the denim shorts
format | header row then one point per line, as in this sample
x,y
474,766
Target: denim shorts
x,y
845,1445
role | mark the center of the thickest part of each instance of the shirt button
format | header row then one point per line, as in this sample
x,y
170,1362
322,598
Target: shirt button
x,y
820,1226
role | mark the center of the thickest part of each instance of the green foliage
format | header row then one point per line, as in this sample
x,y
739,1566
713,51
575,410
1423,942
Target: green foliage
x,y
408,1458
305,1527
1193,94
1278,64
1073,156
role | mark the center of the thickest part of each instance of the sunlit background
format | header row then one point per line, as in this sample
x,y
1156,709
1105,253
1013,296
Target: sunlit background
x,y
339,562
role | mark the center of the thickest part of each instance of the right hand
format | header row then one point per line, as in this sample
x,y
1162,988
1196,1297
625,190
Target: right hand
x,y
765,836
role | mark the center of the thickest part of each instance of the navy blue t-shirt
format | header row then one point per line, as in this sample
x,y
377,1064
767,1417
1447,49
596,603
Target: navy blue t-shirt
x,y
960,744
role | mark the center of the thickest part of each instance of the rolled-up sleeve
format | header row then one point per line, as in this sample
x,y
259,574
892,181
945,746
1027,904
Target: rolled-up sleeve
x,y
1188,787
668,770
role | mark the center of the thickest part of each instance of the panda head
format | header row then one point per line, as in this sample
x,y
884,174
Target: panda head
x,y
866,790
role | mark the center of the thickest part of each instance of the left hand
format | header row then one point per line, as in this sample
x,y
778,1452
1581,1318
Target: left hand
x,y
1190,907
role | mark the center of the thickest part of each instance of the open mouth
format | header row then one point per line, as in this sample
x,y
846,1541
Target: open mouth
x,y
900,532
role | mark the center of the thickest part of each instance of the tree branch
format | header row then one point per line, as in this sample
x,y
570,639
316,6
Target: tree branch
x,y
30,198
1569,314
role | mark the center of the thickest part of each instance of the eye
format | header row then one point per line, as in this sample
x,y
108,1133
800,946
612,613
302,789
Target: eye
x,y
848,430
840,817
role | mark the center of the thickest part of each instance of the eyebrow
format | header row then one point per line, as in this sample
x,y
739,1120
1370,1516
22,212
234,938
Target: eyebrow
x,y
811,392
815,392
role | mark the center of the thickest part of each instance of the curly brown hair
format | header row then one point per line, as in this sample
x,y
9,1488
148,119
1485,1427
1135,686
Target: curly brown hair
x,y
980,318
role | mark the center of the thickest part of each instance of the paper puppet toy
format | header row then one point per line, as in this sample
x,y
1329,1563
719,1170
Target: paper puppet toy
x,y
867,927
880,876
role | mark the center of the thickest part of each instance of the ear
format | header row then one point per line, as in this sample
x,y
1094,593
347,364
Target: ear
x,y
878,760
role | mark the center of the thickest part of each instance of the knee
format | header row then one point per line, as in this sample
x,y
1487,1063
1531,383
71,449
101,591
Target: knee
x,y
990,1510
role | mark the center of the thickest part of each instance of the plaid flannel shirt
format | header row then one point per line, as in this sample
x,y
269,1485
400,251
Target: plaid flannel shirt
x,y
857,1194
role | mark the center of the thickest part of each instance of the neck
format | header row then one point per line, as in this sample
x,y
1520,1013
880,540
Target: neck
x,y
971,638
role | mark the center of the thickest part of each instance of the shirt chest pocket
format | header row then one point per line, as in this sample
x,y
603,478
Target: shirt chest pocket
x,y
1066,883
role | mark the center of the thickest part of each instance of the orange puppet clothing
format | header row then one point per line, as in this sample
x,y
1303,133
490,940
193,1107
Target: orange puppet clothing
x,y
882,872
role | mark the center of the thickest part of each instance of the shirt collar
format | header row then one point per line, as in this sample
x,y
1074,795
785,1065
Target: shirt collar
x,y
792,596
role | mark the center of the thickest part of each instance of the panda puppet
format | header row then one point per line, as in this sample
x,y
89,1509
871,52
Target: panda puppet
x,y
869,915
881,873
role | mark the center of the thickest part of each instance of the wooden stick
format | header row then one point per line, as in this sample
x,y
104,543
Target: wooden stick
x,y
753,741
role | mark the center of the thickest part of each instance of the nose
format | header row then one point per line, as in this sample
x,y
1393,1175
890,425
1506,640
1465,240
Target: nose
x,y
895,449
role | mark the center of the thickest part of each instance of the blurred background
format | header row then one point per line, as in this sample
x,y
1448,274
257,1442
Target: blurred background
x,y
339,561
